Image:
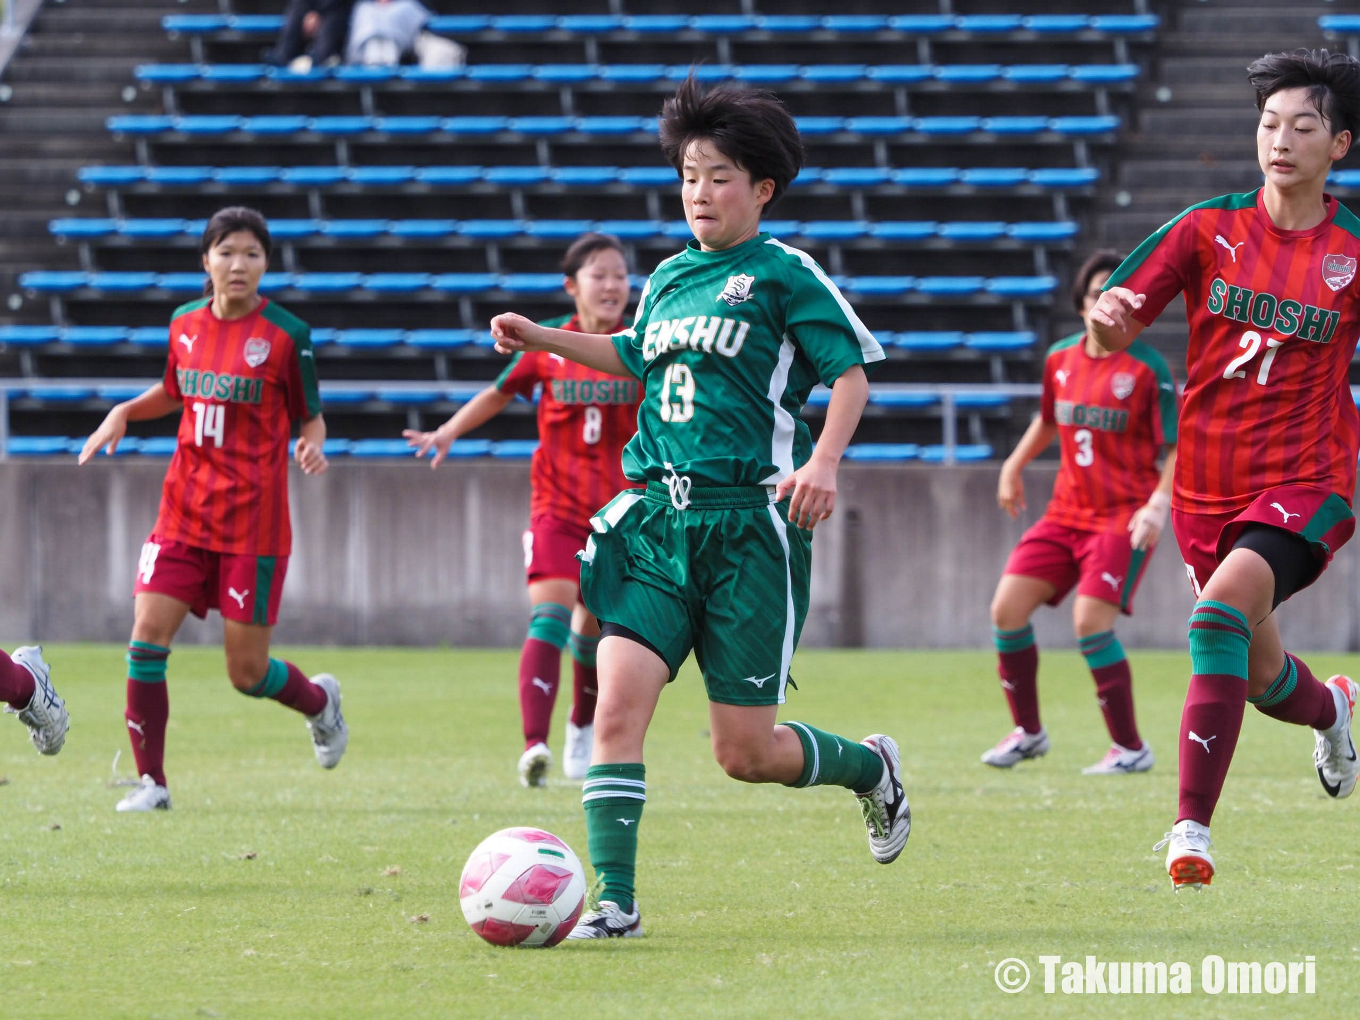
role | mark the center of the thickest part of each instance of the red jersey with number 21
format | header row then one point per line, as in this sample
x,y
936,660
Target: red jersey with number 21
x,y
243,383
1274,318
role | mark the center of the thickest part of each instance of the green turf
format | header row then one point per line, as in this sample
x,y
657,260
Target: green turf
x,y
271,890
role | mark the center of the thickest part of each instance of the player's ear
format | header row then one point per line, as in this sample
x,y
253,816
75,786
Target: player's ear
x,y
1341,145
764,191
570,285
205,264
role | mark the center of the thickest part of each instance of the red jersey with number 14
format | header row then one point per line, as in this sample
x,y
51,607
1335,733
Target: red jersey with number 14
x,y
1274,319
1114,414
585,419
243,383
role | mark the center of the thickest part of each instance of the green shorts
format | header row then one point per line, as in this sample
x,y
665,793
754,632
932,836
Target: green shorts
x,y
727,577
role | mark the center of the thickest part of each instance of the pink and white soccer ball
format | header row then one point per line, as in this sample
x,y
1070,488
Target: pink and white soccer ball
x,y
522,887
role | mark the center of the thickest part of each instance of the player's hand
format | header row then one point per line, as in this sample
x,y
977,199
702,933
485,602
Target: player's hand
x,y
814,493
1010,491
423,442
309,457
514,333
1115,307
1148,521
109,434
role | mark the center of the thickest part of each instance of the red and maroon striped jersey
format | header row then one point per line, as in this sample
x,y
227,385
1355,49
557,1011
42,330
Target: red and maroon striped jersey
x,y
243,383
1114,415
1273,324
585,418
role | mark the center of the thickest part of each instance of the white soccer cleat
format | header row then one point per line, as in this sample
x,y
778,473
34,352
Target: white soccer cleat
x,y
149,796
606,920
1188,861
1334,753
330,735
1120,760
886,812
534,764
576,750
1017,745
45,716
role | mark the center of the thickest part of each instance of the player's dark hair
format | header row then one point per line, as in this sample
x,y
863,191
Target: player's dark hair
x,y
228,221
1103,260
1332,81
749,126
586,246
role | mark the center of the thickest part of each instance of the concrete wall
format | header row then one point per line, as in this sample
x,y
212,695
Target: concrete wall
x,y
393,553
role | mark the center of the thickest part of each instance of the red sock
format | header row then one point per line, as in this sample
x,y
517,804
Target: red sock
x,y
1210,724
148,709
585,689
1309,703
1019,672
300,693
1114,690
540,666
16,683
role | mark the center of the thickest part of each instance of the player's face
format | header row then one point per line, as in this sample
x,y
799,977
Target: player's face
x,y
1092,295
600,288
1294,145
235,264
722,203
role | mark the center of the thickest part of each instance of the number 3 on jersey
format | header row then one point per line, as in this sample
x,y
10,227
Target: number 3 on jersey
x,y
677,393
1251,344
1085,455
209,423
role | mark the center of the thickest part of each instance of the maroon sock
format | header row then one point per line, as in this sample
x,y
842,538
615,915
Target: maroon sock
x,y
300,694
540,666
1019,672
1210,724
585,689
16,683
148,709
1305,702
1114,691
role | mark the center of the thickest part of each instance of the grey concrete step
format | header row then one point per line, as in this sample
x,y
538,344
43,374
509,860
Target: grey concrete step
x,y
72,68
66,120
147,47
1198,177
1199,123
1278,19
25,94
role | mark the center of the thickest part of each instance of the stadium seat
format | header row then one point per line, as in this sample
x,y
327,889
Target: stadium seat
x,y
82,227
964,453
37,446
1000,342
442,339
328,282
531,283
941,286
423,228
373,448
100,336
974,401
28,336
514,449
396,283
882,452
244,175
928,341
411,398
354,228
913,400
274,125
464,283
158,446
490,229
52,394
1021,286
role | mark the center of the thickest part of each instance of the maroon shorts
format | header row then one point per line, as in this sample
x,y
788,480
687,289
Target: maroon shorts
x,y
241,587
1101,565
1321,518
550,548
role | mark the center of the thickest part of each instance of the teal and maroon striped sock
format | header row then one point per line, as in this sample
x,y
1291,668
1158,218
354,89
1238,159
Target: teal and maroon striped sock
x,y
1220,637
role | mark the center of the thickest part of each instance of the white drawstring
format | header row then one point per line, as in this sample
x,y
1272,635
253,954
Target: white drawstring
x,y
679,486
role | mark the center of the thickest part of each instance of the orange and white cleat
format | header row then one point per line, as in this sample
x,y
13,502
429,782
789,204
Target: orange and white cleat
x,y
1188,861
1334,753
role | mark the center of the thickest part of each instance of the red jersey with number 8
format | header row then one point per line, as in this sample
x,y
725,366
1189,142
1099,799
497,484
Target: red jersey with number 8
x,y
585,419
1273,319
243,383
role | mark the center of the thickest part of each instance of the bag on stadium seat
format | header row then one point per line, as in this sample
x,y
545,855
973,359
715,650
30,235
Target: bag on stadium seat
x,y
436,53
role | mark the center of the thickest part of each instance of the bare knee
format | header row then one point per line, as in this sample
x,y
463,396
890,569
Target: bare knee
x,y
743,762
1007,614
246,671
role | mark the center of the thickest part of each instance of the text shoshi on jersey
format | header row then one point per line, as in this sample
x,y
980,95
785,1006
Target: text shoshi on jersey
x,y
1264,310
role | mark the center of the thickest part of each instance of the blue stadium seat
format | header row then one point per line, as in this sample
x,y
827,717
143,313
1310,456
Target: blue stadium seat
x,y
382,175
100,336
286,230
989,23
541,125
166,73
921,24
285,74
371,448
322,336
701,72
524,22
949,286
397,283
632,229
111,176
148,336
968,230
585,175
649,176
517,175
194,24
834,230
181,176
314,175
411,398
473,125
37,446
275,125
152,227
347,398
52,281
257,24
139,124
354,228
118,394
423,228
1021,286
723,24
968,72
947,125
234,72
1064,177
531,283
335,447
557,229
499,72
767,73
1104,73
1035,73
916,400
186,283
900,74
464,283
590,24
60,394
459,24
925,176
781,228
656,22
449,174
974,401
407,125
994,176
29,336
632,72
820,125
964,453
879,125
1124,24
679,230
237,175
615,125
856,176
370,338
275,281
1038,233
82,227
834,72
208,124
903,230
1063,24
882,452
788,22
928,341
514,449
855,22
340,126
125,281
881,284
1015,125
441,339
564,73
1084,125
490,229
328,282
362,74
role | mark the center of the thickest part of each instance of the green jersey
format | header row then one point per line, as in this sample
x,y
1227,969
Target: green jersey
x,y
728,345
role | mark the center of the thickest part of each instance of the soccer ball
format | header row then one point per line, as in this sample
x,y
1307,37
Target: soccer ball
x,y
522,887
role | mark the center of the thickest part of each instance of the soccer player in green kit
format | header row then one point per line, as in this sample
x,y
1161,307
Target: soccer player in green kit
x,y
714,554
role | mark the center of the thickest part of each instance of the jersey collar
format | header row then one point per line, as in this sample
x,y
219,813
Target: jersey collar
x,y
697,254
1329,202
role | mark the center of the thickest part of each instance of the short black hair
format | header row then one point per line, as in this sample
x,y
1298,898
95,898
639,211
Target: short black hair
x,y
749,126
587,245
1103,260
1332,81
229,221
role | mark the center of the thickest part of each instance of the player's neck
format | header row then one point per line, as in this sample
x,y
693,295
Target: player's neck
x,y
591,324
234,308
1300,208
1093,349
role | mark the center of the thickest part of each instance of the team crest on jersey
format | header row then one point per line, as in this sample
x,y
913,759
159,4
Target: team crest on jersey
x,y
1122,384
257,351
1337,271
738,289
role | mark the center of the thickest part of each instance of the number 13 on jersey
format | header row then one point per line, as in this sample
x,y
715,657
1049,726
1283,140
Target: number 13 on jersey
x,y
677,393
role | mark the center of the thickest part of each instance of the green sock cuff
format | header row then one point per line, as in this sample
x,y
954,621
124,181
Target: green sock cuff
x,y
1220,638
831,760
1013,640
1101,649
620,782
274,679
1282,687
146,662
583,648
551,623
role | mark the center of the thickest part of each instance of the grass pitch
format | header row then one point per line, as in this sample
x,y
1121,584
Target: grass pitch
x,y
274,889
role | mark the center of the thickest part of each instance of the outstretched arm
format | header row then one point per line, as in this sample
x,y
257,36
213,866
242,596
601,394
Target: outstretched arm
x,y
474,414
514,333
155,402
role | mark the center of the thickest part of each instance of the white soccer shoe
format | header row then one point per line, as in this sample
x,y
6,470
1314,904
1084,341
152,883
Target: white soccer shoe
x,y
1119,760
45,716
886,812
1017,745
534,764
330,735
576,750
149,796
1334,753
606,920
1188,861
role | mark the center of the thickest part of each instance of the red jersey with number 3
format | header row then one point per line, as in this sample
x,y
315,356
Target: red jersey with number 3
x,y
585,418
243,383
1114,415
1273,325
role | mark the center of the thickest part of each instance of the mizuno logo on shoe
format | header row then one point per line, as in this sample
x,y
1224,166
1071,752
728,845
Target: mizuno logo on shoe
x,y
1202,740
